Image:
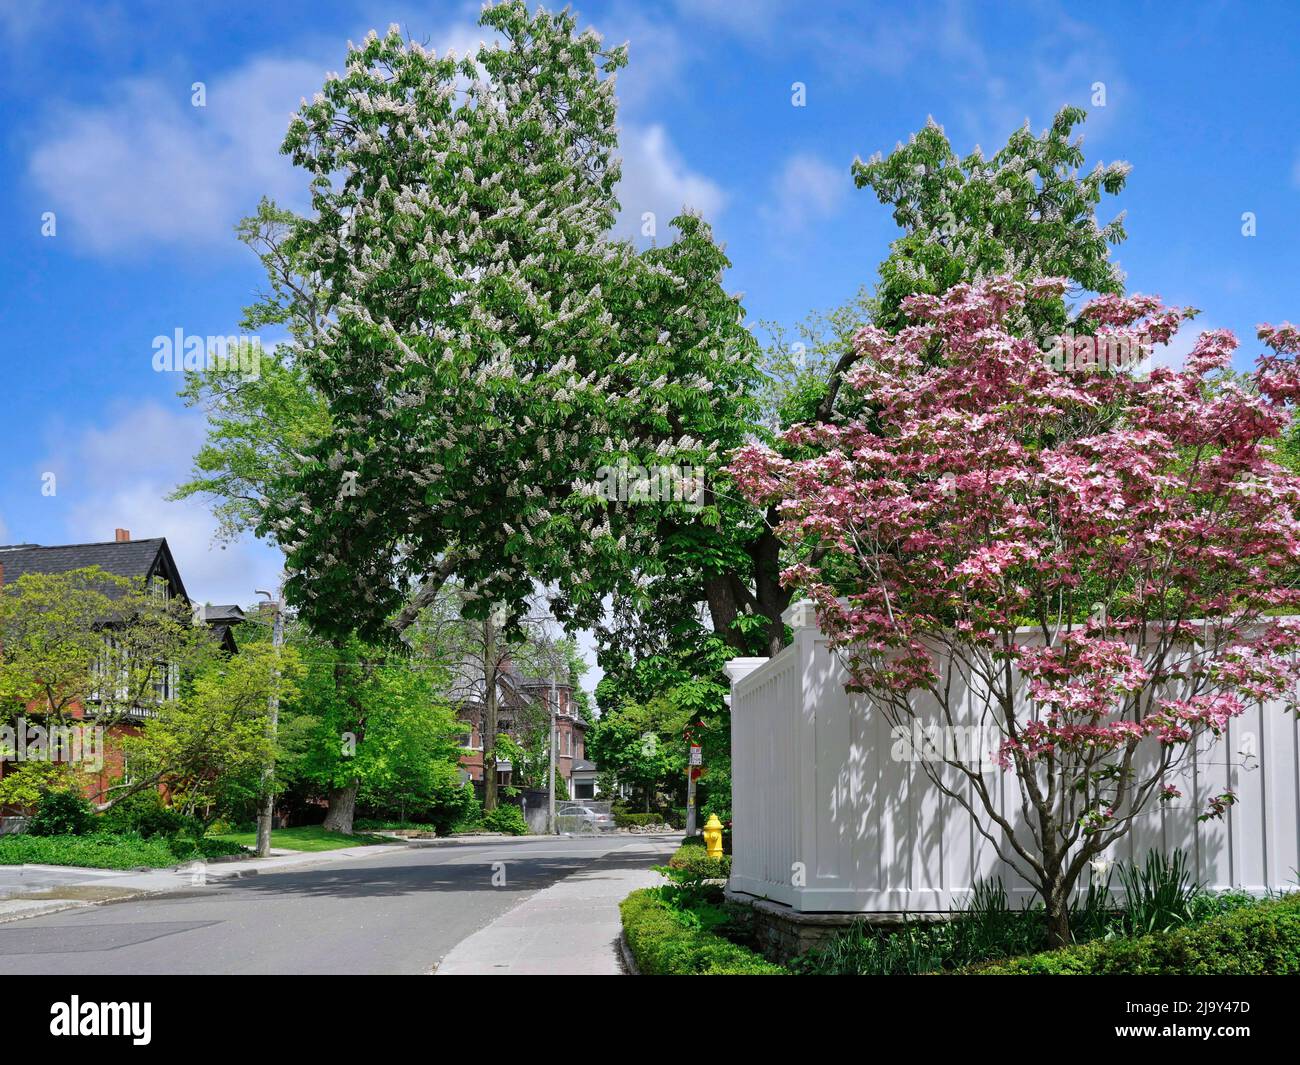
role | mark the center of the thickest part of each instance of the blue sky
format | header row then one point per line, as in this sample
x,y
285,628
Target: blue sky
x,y
97,127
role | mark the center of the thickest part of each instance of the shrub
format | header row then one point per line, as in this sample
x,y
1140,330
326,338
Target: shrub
x,y
61,813
145,814
506,819
1251,940
663,946
188,849
453,807
692,858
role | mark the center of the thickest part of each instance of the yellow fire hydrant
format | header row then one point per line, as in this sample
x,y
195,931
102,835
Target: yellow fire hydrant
x,y
713,836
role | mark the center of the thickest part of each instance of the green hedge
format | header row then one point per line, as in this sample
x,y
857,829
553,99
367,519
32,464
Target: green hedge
x,y
1262,940
693,857
663,946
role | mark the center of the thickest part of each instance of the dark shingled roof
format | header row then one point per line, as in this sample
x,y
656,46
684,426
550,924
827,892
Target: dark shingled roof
x,y
228,612
122,558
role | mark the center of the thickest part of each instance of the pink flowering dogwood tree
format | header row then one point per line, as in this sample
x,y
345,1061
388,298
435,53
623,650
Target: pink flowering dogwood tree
x,y
1105,557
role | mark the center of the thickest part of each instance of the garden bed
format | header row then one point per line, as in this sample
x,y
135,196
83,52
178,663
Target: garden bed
x,y
1161,922
1255,940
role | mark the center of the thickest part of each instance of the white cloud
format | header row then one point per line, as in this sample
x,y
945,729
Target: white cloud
x,y
806,190
657,180
149,169
658,57
117,475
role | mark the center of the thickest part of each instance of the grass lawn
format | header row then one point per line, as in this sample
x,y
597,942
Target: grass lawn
x,y
306,838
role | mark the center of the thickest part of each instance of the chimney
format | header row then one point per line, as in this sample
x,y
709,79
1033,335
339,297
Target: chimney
x,y
122,536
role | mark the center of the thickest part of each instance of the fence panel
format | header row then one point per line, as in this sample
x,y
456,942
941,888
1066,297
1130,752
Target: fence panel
x,y
827,819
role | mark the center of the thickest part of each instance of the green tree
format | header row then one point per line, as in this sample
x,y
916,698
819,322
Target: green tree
x,y
364,721
260,424
212,741
1028,211
93,641
643,743
507,351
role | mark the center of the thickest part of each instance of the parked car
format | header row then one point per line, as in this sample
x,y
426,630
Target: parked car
x,y
592,819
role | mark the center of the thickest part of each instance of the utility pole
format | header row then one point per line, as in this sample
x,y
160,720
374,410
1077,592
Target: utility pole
x,y
692,771
267,813
690,803
550,784
491,665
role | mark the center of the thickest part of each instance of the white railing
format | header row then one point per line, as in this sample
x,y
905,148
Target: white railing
x,y
826,819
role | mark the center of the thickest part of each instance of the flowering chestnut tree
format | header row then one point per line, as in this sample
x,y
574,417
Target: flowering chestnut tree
x,y
480,345
1103,559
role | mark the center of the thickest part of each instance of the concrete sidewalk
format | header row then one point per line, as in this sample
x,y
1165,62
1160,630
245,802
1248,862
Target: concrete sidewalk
x,y
569,929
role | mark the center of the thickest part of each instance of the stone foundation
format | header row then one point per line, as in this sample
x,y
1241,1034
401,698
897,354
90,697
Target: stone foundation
x,y
783,933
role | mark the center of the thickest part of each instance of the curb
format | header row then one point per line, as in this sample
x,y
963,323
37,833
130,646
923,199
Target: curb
x,y
483,841
625,953
62,905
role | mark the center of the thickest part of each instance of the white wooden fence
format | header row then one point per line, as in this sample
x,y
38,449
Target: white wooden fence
x,y
826,819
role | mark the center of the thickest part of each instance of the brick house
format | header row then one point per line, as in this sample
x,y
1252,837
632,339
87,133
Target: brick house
x,y
150,560
523,710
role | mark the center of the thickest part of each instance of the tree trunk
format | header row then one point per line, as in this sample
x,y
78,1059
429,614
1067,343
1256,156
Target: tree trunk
x,y
343,808
489,717
1058,920
728,595
772,598
723,608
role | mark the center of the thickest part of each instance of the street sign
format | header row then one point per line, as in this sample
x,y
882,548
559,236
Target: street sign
x,y
697,756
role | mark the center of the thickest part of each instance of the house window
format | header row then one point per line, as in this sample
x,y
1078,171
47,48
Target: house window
x,y
166,680
112,678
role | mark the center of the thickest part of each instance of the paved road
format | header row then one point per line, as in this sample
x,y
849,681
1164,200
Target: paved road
x,y
398,912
